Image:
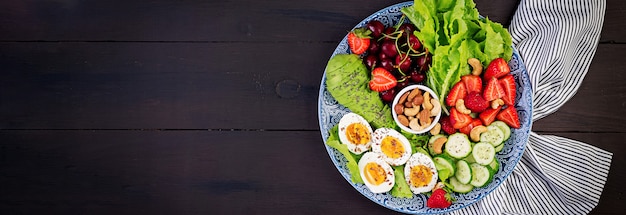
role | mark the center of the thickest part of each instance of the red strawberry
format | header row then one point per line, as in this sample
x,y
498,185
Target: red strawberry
x,y
508,84
497,68
446,125
493,90
439,199
475,102
488,116
509,116
467,129
359,40
382,80
458,119
473,83
457,92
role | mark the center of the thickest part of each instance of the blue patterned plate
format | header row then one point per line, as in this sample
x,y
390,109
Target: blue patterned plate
x,y
330,112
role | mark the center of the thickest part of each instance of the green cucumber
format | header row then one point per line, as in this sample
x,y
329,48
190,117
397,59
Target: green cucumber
x,y
493,135
483,153
499,148
481,175
445,162
494,165
458,146
463,172
459,187
504,127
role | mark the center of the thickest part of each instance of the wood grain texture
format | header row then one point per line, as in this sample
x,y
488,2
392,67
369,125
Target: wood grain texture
x,y
161,20
195,86
217,172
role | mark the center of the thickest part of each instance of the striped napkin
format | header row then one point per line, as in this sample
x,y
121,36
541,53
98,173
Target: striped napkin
x,y
557,41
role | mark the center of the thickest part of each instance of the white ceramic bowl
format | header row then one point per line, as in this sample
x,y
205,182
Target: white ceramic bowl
x,y
395,115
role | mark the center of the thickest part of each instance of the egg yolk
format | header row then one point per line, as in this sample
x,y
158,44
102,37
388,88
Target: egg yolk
x,y
420,176
392,147
357,133
374,173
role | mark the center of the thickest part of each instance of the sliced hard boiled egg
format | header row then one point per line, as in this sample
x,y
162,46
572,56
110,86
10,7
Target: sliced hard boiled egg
x,y
377,174
420,173
393,146
355,132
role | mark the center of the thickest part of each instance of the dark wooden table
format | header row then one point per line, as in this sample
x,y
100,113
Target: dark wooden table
x,y
210,107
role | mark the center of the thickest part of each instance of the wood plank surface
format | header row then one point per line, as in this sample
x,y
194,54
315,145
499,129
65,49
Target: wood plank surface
x,y
196,172
189,86
240,20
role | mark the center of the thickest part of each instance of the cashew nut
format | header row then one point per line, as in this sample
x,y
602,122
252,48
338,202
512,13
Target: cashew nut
x,y
476,131
412,111
460,106
438,144
435,130
436,107
438,185
495,104
476,66
427,105
415,125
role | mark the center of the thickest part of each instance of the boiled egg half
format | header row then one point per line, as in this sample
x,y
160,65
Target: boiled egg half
x,y
393,146
377,174
420,173
355,132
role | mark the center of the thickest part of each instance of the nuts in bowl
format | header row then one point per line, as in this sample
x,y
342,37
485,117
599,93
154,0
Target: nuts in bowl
x,y
416,109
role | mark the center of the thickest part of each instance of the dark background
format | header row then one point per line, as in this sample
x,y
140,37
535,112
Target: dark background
x,y
210,107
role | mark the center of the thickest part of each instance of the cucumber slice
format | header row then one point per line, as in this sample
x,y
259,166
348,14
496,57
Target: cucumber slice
x,y
458,146
431,141
504,127
493,135
481,175
499,148
494,165
463,172
459,187
445,162
483,153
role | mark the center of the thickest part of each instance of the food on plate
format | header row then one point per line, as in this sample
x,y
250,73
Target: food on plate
x,y
393,146
439,199
346,81
420,173
377,174
443,45
355,132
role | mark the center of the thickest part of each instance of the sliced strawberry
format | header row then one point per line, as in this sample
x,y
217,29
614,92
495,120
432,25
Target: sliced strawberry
x,y
446,125
508,84
473,83
488,116
457,92
496,69
493,90
458,119
382,80
359,40
467,129
509,116
475,102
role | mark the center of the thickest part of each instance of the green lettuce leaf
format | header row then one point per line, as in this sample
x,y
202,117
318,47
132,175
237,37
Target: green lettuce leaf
x,y
352,159
401,188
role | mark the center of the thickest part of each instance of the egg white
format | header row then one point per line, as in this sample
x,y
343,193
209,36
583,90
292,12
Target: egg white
x,y
377,139
347,120
416,160
377,158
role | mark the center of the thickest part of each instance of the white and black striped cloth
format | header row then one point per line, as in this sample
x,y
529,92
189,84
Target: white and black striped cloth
x,y
557,41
